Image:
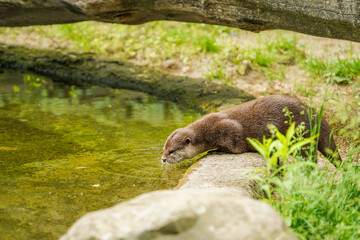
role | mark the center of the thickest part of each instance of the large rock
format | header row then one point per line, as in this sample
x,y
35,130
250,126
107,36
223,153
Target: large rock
x,y
330,18
186,215
225,171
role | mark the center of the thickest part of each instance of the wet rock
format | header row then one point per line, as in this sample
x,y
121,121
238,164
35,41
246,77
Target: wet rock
x,y
230,171
183,214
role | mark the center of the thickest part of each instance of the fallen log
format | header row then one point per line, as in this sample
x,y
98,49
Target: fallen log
x,y
330,18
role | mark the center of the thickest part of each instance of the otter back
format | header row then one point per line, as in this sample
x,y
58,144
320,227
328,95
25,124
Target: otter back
x,y
227,130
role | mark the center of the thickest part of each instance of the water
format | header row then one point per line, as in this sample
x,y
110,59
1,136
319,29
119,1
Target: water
x,y
65,151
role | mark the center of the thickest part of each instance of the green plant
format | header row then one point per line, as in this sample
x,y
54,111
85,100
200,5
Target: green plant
x,y
273,57
318,204
278,151
286,48
83,35
261,58
217,74
339,71
315,203
217,71
315,124
207,44
347,115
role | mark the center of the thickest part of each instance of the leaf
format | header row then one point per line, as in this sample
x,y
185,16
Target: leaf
x,y
274,159
282,192
16,89
276,180
258,178
290,132
288,220
276,144
299,145
266,189
259,147
279,169
281,137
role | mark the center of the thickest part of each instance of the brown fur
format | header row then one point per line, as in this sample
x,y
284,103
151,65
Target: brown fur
x,y
227,130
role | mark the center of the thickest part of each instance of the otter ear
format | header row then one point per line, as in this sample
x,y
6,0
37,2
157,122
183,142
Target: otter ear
x,y
187,141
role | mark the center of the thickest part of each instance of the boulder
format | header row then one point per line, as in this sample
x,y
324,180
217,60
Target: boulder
x,y
183,214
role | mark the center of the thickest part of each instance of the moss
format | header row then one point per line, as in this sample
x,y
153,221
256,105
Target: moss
x,y
66,151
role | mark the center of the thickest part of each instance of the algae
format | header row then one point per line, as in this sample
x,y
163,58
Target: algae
x,y
67,150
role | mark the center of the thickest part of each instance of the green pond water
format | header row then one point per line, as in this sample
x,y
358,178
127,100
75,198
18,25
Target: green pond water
x,y
66,150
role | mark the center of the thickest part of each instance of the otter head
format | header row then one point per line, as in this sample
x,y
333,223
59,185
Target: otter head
x,y
179,146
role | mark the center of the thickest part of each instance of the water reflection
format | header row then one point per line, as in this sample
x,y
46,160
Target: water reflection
x,y
66,150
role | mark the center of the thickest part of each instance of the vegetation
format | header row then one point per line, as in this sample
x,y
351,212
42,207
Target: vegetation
x,y
271,62
317,203
339,71
277,153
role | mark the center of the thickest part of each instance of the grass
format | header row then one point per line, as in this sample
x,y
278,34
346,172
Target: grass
x,y
156,42
321,205
222,54
316,203
149,42
339,71
286,63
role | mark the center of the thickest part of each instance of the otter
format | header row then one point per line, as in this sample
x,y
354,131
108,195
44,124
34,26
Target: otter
x,y
228,130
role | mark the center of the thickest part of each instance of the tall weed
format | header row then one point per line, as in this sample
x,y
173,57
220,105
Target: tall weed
x,y
315,203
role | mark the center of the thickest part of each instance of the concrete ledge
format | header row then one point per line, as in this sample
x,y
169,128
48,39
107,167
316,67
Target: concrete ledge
x,y
224,171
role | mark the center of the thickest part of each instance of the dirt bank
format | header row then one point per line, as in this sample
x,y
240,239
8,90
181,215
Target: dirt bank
x,y
86,69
